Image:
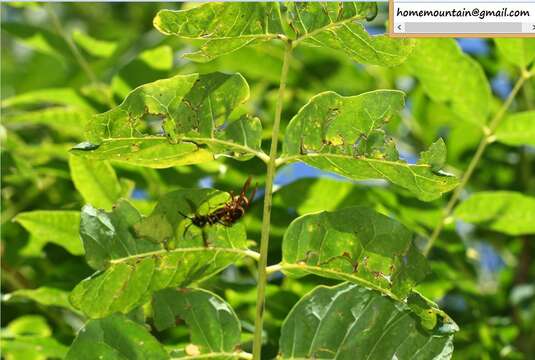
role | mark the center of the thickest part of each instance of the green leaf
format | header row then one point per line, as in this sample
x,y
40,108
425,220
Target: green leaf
x,y
520,52
95,47
355,244
135,262
214,327
38,39
56,96
435,156
58,227
96,181
224,27
108,236
28,337
198,122
508,212
115,337
68,121
344,135
44,295
150,65
334,25
464,85
227,27
351,322
517,129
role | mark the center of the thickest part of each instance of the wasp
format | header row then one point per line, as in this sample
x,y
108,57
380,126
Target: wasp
x,y
229,213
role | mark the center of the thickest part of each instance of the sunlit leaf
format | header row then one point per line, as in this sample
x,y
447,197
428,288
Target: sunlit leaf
x,y
44,295
334,25
463,85
225,27
435,156
355,244
517,129
137,256
115,337
38,39
520,52
344,135
150,65
95,47
214,327
186,119
96,181
509,212
57,96
351,322
55,226
66,120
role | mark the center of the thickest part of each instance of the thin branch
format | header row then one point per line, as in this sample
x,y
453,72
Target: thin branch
x,y
485,141
266,217
72,46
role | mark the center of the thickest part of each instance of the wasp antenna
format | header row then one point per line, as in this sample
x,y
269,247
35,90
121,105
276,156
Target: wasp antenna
x,y
251,197
246,185
184,215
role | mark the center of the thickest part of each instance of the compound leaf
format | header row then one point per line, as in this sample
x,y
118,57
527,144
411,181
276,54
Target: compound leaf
x,y
351,322
355,244
508,212
214,327
226,27
115,337
186,119
344,135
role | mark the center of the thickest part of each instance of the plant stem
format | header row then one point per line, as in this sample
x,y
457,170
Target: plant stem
x,y
488,137
72,46
266,217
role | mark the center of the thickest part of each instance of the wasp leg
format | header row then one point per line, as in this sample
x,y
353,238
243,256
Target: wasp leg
x,y
205,241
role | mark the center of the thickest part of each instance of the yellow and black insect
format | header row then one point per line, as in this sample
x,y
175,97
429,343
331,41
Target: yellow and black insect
x,y
228,214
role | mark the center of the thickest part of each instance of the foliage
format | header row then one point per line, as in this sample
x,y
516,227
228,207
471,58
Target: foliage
x,y
398,207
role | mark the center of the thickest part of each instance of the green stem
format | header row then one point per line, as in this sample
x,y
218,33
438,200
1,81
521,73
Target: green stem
x,y
485,141
72,46
266,217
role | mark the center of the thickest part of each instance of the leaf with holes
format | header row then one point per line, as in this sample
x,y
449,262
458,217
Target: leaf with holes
x,y
227,27
355,244
348,321
344,135
186,119
134,262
